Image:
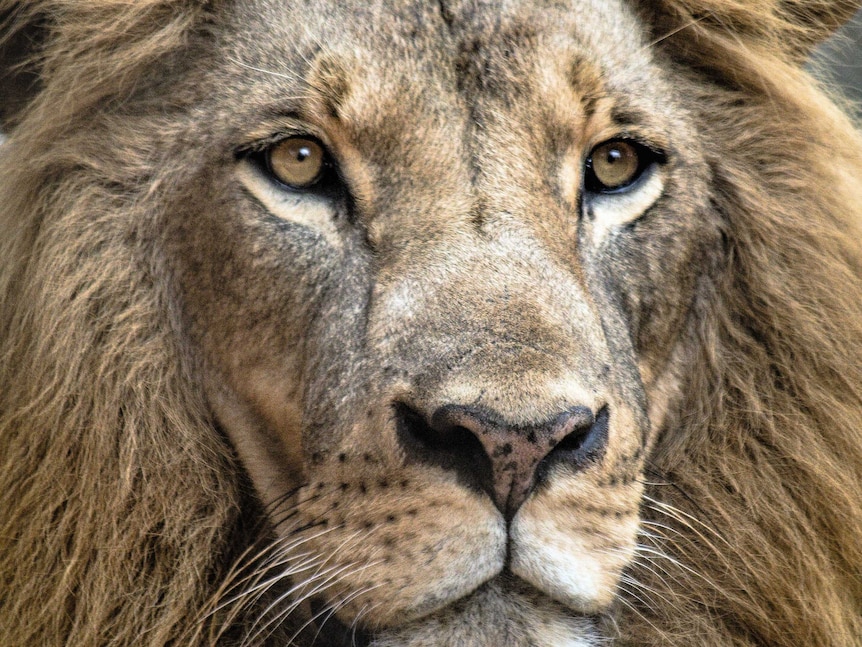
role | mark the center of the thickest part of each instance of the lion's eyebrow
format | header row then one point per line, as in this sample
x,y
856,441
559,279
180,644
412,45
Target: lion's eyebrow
x,y
321,89
624,114
587,80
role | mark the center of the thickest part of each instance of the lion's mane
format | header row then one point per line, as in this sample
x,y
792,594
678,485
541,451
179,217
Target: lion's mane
x,y
120,504
122,508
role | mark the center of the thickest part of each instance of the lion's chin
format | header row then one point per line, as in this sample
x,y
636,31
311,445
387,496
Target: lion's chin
x,y
504,612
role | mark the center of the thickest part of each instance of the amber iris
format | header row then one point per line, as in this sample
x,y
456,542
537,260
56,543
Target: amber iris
x,y
615,164
296,161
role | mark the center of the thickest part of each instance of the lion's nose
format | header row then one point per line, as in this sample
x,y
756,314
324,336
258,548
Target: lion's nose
x,y
506,461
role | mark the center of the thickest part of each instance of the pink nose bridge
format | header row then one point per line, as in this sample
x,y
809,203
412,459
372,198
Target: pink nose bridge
x,y
517,451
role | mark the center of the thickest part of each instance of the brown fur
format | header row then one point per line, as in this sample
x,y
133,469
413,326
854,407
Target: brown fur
x,y
124,500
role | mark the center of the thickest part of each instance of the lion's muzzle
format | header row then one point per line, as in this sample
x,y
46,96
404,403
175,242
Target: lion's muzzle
x,y
506,447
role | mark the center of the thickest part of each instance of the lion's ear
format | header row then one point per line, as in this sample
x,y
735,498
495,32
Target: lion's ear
x,y
792,26
21,36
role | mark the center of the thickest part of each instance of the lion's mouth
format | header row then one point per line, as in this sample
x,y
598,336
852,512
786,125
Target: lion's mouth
x,y
504,600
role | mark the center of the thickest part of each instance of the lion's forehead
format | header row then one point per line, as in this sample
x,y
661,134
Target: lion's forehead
x,y
444,64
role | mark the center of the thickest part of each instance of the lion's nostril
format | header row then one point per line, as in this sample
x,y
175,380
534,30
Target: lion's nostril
x,y
583,445
450,446
504,460
444,438
588,437
574,440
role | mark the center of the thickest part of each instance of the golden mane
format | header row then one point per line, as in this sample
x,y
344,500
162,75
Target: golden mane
x,y
770,427
121,505
122,508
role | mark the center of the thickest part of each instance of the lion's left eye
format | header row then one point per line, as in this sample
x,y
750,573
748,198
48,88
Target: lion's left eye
x,y
616,165
297,162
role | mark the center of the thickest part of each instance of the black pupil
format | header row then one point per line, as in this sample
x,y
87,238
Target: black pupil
x,y
303,154
614,155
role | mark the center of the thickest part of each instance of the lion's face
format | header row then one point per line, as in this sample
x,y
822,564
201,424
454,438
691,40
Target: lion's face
x,y
437,284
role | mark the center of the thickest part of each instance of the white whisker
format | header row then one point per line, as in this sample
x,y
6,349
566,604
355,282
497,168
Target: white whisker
x,y
281,75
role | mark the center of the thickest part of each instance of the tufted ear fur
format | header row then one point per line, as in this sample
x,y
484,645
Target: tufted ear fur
x,y
21,36
793,27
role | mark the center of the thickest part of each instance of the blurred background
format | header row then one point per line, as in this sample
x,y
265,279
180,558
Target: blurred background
x,y
840,59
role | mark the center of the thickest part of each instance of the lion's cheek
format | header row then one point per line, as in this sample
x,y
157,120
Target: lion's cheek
x,y
573,549
406,559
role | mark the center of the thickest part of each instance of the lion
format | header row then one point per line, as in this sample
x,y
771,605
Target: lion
x,y
414,324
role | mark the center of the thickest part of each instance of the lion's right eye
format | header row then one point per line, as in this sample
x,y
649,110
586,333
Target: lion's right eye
x,y
297,162
616,165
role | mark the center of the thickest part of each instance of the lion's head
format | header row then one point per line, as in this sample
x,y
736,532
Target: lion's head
x,y
428,323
